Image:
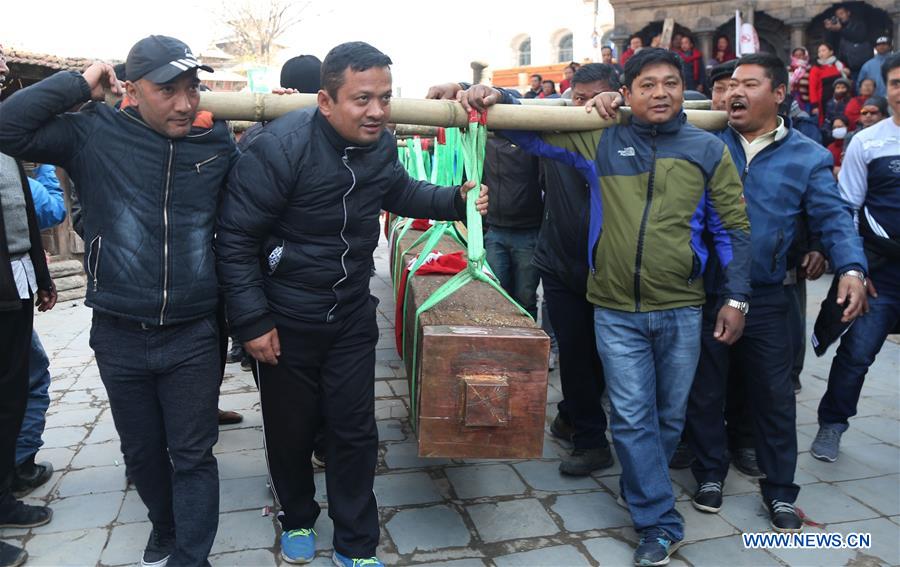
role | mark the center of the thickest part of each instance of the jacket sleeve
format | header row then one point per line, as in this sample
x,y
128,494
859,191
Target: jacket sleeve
x,y
865,72
257,191
727,221
815,86
853,177
35,124
49,205
854,31
577,149
832,216
419,199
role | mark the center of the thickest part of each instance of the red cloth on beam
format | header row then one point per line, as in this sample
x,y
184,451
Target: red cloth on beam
x,y
436,263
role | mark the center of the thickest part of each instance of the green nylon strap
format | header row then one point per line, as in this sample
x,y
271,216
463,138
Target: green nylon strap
x,y
434,234
473,145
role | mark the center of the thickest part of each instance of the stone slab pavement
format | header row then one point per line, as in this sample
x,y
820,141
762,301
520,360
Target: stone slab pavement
x,y
453,513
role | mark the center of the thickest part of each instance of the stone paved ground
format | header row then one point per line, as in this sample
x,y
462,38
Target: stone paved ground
x,y
451,512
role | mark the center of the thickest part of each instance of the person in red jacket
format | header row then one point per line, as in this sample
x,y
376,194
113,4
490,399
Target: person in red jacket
x,y
821,79
836,147
854,106
723,53
634,44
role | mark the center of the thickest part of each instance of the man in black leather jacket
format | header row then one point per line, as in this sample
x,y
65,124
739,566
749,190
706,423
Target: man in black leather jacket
x,y
296,231
149,176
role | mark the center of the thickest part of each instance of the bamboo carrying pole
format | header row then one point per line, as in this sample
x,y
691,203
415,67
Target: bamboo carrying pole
x,y
444,113
688,104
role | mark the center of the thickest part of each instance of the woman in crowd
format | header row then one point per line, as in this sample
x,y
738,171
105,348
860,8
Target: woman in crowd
x,y
822,77
724,53
568,73
694,69
799,78
836,147
855,104
548,89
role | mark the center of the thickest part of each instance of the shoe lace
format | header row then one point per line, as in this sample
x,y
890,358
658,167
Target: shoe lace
x,y
710,487
661,537
302,532
365,561
828,434
779,507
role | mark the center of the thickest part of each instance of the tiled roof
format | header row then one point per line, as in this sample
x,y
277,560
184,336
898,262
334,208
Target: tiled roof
x,y
17,56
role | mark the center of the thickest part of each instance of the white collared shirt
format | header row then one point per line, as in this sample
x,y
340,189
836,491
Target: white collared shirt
x,y
23,274
751,149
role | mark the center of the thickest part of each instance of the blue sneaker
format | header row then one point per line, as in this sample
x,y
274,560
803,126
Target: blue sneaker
x,y
655,548
298,546
344,561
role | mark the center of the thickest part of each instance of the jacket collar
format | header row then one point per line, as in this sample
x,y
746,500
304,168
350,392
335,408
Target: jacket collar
x,y
337,141
670,127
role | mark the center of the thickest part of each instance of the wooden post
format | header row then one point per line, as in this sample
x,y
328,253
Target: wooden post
x,y
665,40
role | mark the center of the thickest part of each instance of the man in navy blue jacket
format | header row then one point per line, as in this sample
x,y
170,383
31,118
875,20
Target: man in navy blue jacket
x,y
784,174
149,176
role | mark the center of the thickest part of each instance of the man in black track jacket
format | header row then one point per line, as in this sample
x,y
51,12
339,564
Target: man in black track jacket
x,y
295,237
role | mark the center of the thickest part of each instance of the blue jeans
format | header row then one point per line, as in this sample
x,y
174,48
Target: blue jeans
x,y
649,360
859,346
509,253
29,439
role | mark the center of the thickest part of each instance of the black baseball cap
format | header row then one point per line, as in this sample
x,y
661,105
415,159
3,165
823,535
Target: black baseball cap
x,y
159,59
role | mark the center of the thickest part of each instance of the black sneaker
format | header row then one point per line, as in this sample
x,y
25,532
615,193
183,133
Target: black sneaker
x,y
744,460
784,516
708,497
159,548
582,462
561,429
26,516
30,475
12,556
247,363
655,548
318,459
682,458
795,380
236,354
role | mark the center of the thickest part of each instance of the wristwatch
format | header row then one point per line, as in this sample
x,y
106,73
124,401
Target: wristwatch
x,y
742,306
856,274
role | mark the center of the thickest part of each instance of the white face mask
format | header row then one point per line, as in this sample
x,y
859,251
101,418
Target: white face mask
x,y
839,133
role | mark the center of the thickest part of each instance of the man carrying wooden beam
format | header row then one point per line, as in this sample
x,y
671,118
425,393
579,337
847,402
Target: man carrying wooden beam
x,y
297,229
656,185
149,175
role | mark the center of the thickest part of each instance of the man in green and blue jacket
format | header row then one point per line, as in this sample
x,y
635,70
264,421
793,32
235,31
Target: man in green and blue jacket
x,y
656,184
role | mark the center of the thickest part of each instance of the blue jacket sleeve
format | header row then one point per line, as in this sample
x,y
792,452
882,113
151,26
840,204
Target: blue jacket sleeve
x,y
49,204
831,216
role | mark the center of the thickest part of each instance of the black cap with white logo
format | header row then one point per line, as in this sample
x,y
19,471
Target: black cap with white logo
x,y
160,59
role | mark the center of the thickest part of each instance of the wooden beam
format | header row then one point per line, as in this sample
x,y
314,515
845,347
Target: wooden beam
x,y
480,382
